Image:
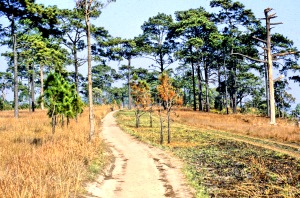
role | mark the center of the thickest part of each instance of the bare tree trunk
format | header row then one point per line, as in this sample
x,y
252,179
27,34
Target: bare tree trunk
x,y
234,95
32,90
219,85
137,118
53,120
90,88
28,87
199,77
194,87
151,119
207,107
76,69
129,92
42,85
161,126
270,68
282,106
169,131
53,124
226,92
62,120
16,82
267,84
76,72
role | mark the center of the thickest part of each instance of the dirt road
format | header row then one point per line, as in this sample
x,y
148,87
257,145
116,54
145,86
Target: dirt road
x,y
139,170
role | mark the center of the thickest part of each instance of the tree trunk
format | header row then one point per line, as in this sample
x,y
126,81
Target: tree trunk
x,y
282,106
53,120
28,86
123,101
76,69
234,94
219,85
90,88
151,119
161,126
199,76
137,118
194,87
207,105
267,84
42,86
3,94
169,131
68,121
270,68
62,120
53,124
161,62
128,78
226,90
184,96
32,90
16,82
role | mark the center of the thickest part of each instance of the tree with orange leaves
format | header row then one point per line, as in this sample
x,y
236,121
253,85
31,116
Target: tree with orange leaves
x,y
140,92
170,97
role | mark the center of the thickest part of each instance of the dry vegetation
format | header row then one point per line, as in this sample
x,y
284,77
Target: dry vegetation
x,y
220,165
252,125
36,164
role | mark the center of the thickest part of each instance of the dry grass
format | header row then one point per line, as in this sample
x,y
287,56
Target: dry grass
x,y
33,163
218,166
284,131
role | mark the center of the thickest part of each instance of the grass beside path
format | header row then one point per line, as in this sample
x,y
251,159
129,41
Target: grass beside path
x,y
221,167
33,163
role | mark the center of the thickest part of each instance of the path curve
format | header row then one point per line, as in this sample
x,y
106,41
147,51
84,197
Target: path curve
x,y
139,170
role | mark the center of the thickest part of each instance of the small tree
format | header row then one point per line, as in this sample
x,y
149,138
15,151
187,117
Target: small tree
x,y
141,97
61,98
170,97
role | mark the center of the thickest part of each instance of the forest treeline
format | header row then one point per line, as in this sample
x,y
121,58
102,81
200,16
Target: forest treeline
x,y
194,47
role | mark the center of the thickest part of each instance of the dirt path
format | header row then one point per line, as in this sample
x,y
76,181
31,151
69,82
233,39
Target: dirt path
x,y
139,170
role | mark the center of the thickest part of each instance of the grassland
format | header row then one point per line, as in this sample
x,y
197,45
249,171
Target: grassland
x,y
35,163
250,159
244,124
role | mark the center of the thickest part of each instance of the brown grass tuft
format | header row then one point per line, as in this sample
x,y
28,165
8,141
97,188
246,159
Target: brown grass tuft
x,y
36,164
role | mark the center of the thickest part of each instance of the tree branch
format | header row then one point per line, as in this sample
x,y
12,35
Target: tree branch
x,y
254,59
150,58
285,53
278,23
261,40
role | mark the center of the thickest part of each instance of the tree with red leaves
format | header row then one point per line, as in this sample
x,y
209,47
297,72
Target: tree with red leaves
x,y
170,97
141,97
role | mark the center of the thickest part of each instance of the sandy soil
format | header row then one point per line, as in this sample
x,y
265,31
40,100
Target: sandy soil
x,y
139,170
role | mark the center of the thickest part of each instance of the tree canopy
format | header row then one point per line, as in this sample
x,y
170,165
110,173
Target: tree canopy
x,y
194,47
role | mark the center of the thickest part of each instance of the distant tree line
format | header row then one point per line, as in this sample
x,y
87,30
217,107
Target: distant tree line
x,y
194,48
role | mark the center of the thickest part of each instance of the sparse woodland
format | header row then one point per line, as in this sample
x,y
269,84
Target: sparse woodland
x,y
194,47
198,73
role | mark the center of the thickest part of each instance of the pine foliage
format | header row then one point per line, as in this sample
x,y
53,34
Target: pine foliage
x,y
61,98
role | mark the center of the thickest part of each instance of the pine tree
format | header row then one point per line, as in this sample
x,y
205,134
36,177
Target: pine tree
x,y
60,98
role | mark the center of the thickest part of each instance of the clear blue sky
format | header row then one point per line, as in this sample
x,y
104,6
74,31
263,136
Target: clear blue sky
x,y
123,18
